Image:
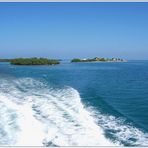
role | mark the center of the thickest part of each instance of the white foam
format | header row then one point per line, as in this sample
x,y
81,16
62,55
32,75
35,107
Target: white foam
x,y
68,123
56,117
60,112
32,131
8,125
122,131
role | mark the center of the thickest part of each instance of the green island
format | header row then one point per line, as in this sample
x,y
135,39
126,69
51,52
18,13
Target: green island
x,y
96,59
46,61
31,61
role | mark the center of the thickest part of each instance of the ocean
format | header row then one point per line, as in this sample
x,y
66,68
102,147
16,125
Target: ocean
x,y
74,104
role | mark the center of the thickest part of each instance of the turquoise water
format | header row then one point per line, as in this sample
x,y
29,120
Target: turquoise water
x,y
75,104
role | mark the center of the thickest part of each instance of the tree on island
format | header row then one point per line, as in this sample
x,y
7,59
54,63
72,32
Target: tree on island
x,y
34,61
96,59
76,60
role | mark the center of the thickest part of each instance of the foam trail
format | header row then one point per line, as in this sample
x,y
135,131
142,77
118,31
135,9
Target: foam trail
x,y
68,123
50,117
30,132
8,125
122,131
56,117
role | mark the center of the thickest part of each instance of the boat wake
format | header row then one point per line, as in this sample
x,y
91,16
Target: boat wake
x,y
32,114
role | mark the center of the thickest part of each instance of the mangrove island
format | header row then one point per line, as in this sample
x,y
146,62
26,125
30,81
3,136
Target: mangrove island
x,y
31,61
96,59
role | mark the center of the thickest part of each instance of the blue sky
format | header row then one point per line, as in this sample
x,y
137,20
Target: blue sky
x,y
68,30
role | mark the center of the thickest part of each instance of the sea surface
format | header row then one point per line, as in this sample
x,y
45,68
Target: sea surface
x,y
74,104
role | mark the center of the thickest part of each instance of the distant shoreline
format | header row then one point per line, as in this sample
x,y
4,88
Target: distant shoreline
x,y
96,59
45,61
31,61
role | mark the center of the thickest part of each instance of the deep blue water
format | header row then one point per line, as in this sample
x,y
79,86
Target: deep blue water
x,y
115,95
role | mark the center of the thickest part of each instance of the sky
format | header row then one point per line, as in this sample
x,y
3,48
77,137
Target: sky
x,y
74,30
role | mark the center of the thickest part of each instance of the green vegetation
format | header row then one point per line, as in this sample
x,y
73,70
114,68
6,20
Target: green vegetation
x,y
76,60
45,61
34,61
98,60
